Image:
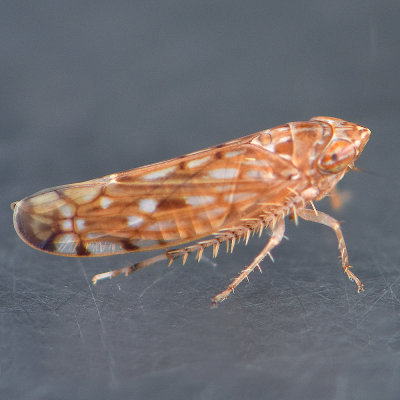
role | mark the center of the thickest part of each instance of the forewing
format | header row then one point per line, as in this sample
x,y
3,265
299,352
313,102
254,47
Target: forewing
x,y
156,206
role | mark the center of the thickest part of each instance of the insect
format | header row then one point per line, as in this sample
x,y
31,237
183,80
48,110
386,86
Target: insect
x,y
226,193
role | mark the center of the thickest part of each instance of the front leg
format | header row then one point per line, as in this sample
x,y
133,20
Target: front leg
x,y
325,219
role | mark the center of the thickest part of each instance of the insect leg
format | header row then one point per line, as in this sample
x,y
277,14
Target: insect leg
x,y
231,237
132,268
327,220
276,237
183,252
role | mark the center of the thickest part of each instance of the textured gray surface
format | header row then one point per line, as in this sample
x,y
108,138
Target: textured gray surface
x,y
90,89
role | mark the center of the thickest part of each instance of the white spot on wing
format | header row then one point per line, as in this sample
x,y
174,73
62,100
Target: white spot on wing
x,y
67,211
148,205
254,173
105,202
80,224
197,162
235,153
196,201
264,175
134,221
162,173
162,225
67,225
224,173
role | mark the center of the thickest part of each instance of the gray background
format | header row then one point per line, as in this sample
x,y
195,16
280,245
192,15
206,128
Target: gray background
x,y
90,88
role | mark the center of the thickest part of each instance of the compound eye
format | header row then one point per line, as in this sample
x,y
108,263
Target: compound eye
x,y
337,156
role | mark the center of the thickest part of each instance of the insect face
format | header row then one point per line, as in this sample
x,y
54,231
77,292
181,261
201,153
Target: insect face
x,y
348,141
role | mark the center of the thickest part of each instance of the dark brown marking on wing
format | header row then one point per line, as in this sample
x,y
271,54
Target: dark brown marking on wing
x,y
126,178
81,250
48,244
171,204
129,246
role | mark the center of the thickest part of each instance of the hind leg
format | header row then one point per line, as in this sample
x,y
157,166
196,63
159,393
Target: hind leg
x,y
230,237
275,239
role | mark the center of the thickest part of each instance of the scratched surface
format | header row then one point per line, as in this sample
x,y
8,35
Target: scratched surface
x,y
87,91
